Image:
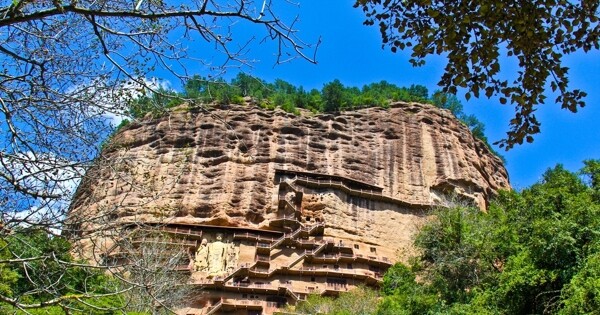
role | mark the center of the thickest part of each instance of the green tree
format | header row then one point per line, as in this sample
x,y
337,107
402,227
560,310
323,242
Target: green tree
x,y
452,249
476,36
449,102
285,102
251,86
8,276
38,273
582,294
533,252
403,295
194,87
301,98
358,301
591,172
315,304
315,101
378,94
397,279
284,87
419,93
333,96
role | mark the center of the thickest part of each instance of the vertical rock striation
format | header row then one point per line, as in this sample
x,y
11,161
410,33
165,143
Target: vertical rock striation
x,y
360,180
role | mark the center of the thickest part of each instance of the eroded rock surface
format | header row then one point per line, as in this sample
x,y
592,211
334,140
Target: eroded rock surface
x,y
219,167
363,179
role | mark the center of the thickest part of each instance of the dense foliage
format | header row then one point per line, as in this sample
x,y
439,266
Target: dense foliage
x,y
333,97
360,301
534,252
478,38
39,276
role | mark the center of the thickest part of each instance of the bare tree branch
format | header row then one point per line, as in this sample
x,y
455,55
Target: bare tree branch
x,y
68,67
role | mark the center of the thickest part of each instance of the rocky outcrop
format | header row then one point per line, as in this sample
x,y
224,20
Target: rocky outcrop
x,y
366,177
220,165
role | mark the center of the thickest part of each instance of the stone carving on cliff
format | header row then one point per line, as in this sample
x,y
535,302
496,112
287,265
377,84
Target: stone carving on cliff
x,y
216,258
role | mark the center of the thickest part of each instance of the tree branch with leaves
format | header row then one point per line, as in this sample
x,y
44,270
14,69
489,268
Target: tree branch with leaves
x,y
479,37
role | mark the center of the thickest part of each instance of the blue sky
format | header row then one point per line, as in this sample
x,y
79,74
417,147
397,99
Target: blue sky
x,y
352,53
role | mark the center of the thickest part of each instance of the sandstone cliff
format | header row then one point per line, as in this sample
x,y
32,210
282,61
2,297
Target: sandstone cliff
x,y
220,168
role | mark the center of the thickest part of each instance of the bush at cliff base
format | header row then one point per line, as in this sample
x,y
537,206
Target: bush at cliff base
x,y
535,252
42,278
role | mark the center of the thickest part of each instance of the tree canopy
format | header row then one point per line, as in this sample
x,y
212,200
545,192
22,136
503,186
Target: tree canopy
x,y
534,252
477,36
35,280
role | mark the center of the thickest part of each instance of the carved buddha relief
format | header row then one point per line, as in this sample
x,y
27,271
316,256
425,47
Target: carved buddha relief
x,y
216,258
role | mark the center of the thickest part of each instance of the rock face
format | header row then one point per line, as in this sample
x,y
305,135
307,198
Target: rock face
x,y
356,184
